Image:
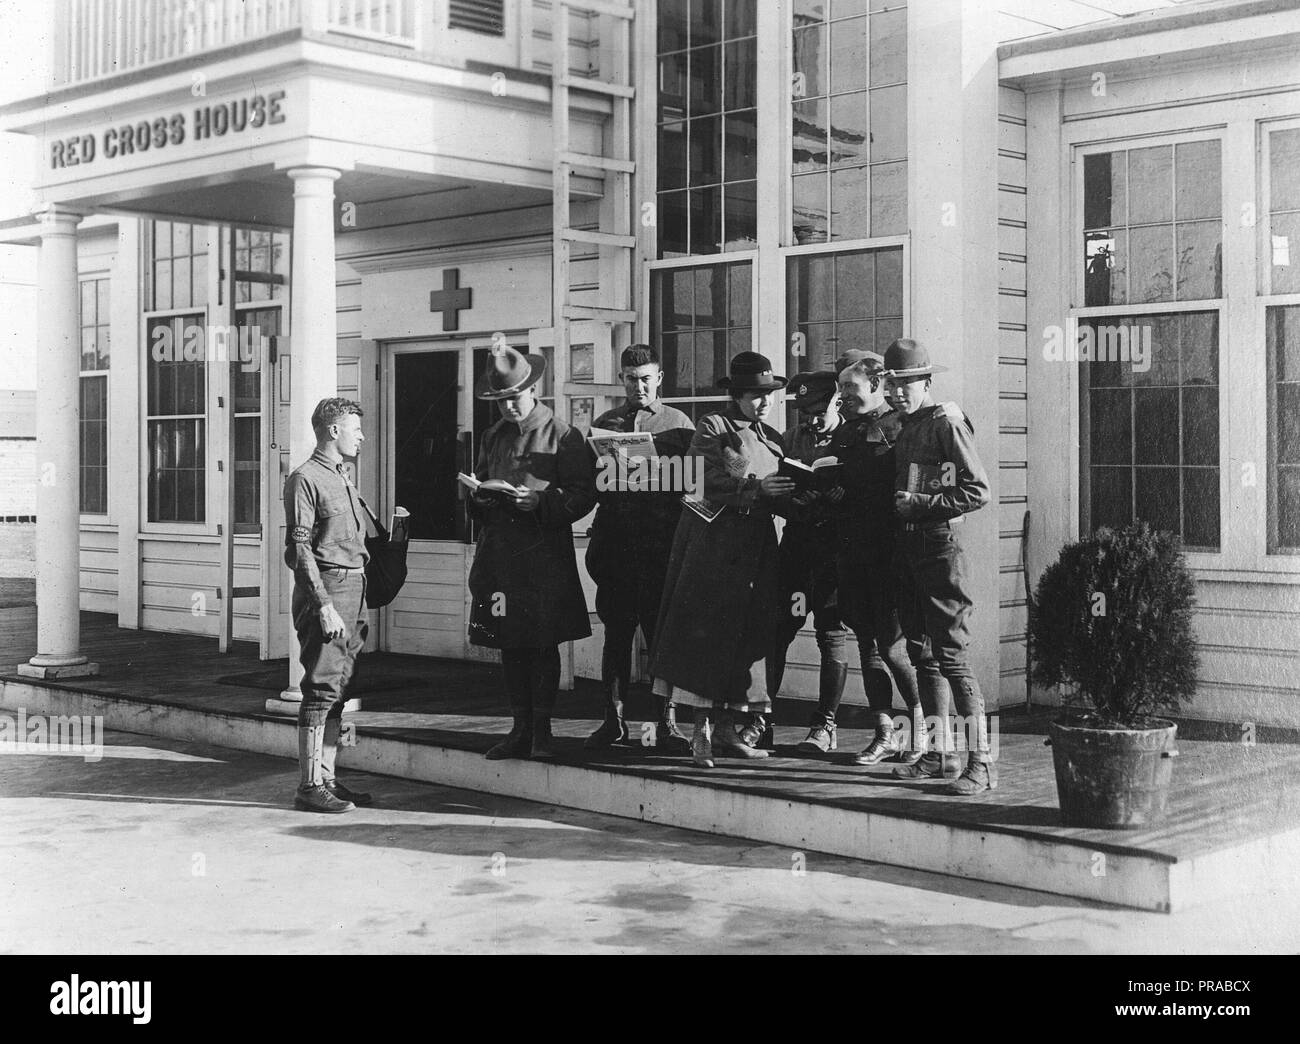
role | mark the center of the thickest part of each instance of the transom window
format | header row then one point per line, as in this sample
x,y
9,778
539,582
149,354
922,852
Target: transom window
x,y
1151,220
179,266
707,126
848,119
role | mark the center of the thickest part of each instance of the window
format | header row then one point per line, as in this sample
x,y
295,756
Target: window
x,y
1284,211
1283,336
707,126
95,327
261,265
1151,424
256,328
175,422
848,119
1151,224
478,16
1279,266
700,317
179,258
838,301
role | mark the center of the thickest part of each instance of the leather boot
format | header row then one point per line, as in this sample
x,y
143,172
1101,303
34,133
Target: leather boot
x,y
911,753
329,750
726,742
669,739
701,741
519,741
613,729
546,687
885,744
932,765
313,795
981,774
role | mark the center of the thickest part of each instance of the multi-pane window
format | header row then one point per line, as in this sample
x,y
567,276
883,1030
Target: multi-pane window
x,y
1152,423
93,416
179,257
1152,221
700,317
1283,336
1283,261
848,119
261,265
256,327
839,301
707,126
175,422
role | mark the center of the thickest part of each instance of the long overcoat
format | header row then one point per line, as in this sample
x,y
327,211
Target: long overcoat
x,y
715,620
524,581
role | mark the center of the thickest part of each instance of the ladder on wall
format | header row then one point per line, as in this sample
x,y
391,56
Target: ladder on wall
x,y
606,325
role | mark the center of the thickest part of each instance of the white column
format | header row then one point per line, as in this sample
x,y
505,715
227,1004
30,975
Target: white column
x,y
58,520
313,345
953,195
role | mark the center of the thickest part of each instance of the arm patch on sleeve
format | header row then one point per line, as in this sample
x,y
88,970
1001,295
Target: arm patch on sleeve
x,y
300,535
951,409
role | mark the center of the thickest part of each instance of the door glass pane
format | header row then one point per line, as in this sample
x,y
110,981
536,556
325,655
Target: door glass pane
x,y
425,449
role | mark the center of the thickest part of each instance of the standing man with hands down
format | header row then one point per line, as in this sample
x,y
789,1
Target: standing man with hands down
x,y
631,538
527,597
325,548
938,481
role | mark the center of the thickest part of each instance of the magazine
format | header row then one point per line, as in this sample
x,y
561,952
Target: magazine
x,y
608,443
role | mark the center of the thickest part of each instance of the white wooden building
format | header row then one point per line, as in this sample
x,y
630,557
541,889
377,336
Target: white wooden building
x,y
369,191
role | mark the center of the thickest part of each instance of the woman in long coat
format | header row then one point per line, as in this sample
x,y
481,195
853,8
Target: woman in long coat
x,y
715,620
527,597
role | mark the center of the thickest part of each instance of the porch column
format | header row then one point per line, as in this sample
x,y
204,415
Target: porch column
x,y
313,348
953,201
58,522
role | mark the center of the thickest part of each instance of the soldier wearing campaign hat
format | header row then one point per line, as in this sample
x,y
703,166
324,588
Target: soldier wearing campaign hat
x,y
807,559
938,480
527,596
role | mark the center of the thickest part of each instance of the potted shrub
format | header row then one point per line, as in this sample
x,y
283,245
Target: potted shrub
x,y
1112,625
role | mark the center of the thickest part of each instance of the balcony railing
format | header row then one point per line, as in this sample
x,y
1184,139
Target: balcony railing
x,y
94,39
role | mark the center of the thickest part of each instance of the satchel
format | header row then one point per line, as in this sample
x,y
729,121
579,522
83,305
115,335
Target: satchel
x,y
386,570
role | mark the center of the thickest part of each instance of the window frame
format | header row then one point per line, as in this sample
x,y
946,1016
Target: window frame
x,y
1265,299
703,261
96,518
1080,313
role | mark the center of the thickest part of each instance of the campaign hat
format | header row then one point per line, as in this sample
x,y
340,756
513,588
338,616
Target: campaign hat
x,y
907,359
509,371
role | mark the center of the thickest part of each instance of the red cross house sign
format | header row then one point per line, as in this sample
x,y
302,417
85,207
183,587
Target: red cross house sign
x,y
451,300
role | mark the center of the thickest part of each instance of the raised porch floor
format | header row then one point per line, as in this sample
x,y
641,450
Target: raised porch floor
x,y
1233,824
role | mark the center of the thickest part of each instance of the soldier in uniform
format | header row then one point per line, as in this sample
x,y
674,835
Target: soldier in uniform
x,y
325,548
807,562
938,480
527,597
631,538
868,589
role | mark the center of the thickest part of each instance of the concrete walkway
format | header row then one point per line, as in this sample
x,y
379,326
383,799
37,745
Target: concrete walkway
x,y
170,847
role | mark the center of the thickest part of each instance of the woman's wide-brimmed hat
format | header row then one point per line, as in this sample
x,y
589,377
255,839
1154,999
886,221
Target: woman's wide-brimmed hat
x,y
905,358
509,372
750,371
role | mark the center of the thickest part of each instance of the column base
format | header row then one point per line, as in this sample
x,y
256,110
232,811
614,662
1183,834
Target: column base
x,y
55,671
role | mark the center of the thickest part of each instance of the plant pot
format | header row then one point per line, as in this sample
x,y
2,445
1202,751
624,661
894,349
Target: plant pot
x,y
1113,777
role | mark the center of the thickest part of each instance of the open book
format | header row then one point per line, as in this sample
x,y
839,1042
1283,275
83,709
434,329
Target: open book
x,y
703,508
822,474
495,487
616,443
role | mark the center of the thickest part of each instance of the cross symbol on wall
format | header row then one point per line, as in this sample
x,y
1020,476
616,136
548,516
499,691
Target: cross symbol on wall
x,y
451,299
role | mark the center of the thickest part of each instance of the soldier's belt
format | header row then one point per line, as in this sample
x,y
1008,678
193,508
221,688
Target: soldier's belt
x,y
918,527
